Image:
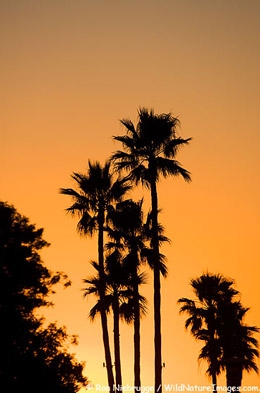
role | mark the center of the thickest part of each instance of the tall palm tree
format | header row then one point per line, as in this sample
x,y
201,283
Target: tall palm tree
x,y
150,149
215,317
96,190
126,231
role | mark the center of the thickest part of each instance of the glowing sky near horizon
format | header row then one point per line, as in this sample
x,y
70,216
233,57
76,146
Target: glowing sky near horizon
x,y
69,71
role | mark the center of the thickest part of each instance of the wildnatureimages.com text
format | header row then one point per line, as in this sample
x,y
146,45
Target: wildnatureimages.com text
x,y
173,388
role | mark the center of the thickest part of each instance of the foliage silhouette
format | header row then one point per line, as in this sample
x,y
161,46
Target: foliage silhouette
x,y
33,358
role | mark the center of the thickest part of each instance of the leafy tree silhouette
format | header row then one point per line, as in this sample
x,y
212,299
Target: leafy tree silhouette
x,y
32,358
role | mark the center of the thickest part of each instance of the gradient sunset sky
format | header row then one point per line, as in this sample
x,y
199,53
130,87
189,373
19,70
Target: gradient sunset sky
x,y
69,71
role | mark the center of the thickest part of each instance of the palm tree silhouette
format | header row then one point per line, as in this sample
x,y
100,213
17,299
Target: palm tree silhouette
x,y
150,151
240,348
96,191
126,230
115,297
215,317
203,320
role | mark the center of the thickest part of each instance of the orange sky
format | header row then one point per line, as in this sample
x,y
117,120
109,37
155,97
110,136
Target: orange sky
x,y
69,71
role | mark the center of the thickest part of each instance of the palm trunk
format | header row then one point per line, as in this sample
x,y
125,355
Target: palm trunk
x,y
234,374
214,351
214,381
117,344
110,376
137,367
157,292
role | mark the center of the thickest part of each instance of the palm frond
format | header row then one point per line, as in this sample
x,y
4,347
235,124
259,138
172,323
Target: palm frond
x,y
127,142
124,161
94,311
171,148
87,224
169,167
128,125
119,189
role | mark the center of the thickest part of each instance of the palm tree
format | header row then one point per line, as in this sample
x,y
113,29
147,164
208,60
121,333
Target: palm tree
x,y
96,191
118,296
202,324
126,230
240,348
120,285
150,149
115,294
204,317
216,318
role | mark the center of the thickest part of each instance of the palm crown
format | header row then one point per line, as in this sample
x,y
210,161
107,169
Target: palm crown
x,y
96,191
150,147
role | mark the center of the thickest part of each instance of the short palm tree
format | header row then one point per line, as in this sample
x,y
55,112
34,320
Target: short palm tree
x,y
96,191
215,317
239,346
118,297
150,150
203,321
115,297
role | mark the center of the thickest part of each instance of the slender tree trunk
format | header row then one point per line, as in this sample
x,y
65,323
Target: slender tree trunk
x,y
214,349
137,352
157,292
110,376
117,344
214,382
